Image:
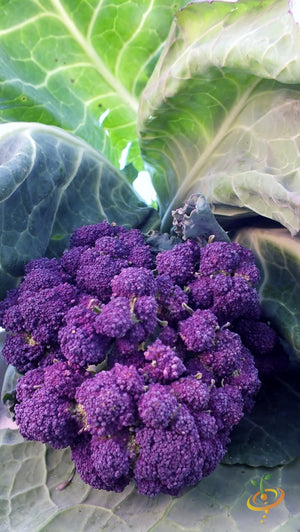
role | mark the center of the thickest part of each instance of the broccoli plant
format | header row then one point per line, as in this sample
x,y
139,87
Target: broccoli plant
x,y
145,341
133,359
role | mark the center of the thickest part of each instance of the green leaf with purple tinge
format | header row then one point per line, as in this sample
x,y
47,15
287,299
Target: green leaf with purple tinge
x,y
278,257
220,113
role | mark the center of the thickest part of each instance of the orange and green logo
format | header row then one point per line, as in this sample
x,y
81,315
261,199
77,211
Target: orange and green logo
x,y
265,499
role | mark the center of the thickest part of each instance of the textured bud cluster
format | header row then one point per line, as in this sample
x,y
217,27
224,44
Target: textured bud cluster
x,y
138,360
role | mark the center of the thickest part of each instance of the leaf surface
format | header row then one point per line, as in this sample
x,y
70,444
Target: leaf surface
x,y
220,113
52,182
30,502
278,257
269,436
81,65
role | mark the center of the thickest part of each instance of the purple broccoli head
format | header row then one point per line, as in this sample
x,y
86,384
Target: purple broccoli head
x,y
139,359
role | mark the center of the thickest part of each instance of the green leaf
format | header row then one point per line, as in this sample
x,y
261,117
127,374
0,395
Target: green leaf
x,y
81,66
30,501
254,483
50,183
270,435
220,113
278,257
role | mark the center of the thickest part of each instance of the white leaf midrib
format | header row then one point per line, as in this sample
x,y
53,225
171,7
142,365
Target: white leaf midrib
x,y
95,59
195,170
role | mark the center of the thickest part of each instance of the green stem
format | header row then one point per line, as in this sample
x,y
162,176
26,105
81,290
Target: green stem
x,y
261,487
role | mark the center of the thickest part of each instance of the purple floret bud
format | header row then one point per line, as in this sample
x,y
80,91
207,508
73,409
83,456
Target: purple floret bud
x,y
258,336
225,355
134,282
47,417
157,407
163,463
107,406
145,310
22,352
88,234
95,272
241,300
212,450
52,265
39,279
201,294
79,342
70,260
132,238
112,247
128,379
171,300
168,336
115,318
192,392
178,263
250,272
164,366
13,320
206,425
10,300
64,378
102,463
218,257
27,385
44,311
199,331
141,257
226,405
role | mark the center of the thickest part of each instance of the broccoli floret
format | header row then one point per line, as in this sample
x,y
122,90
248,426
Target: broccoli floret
x,y
105,405
140,360
22,352
234,298
79,342
172,300
70,261
45,411
145,310
9,301
95,272
218,257
224,357
200,293
43,312
88,234
164,364
115,318
179,263
163,463
102,463
157,407
40,278
193,392
199,331
134,282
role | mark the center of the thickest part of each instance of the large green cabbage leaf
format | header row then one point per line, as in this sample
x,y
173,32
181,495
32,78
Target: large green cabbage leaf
x,y
30,501
220,113
50,183
81,65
